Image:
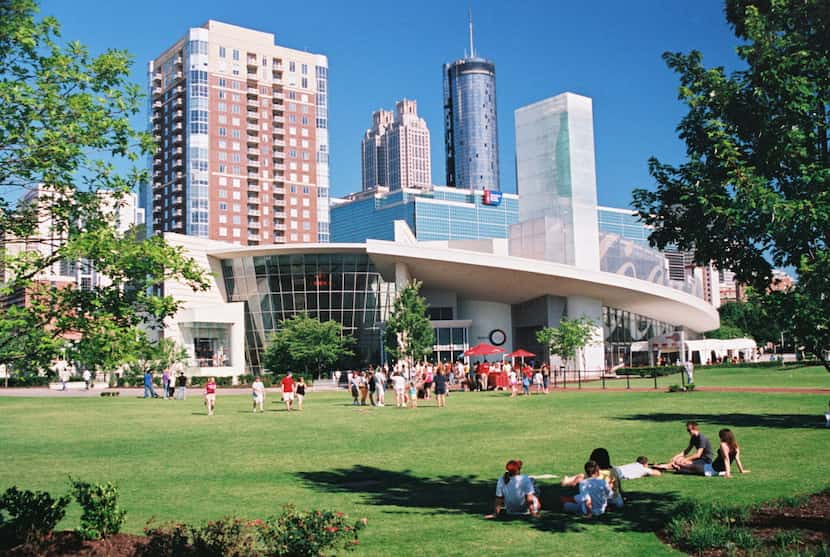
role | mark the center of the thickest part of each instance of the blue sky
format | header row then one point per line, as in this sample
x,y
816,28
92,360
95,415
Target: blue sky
x,y
381,51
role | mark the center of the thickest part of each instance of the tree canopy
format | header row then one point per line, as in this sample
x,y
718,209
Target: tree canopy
x,y
304,343
568,338
409,334
65,132
754,191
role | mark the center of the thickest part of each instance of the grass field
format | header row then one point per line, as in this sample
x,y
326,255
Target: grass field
x,y
422,477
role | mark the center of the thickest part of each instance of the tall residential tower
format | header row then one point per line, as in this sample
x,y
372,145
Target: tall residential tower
x,y
395,151
242,140
470,127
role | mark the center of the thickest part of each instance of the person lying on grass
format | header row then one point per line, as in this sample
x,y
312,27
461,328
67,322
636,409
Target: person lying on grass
x,y
594,493
515,493
637,469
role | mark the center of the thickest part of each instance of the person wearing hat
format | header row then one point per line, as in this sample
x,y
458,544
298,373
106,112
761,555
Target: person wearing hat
x,y
515,493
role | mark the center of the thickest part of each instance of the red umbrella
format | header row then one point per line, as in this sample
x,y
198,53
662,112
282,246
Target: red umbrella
x,y
483,349
520,353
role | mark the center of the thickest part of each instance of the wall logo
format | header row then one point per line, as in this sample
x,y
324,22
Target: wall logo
x,y
492,198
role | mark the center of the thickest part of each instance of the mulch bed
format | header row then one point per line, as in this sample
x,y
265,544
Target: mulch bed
x,y
807,527
67,543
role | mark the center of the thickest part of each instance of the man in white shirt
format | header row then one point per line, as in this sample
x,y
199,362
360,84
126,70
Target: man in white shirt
x,y
638,469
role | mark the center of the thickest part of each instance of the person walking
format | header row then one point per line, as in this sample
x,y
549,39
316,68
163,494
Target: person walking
x,y
149,391
165,384
258,393
380,386
440,381
300,390
288,390
689,368
181,386
210,395
87,378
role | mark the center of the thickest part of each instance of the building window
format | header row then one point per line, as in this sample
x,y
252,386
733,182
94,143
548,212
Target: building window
x,y
222,52
235,54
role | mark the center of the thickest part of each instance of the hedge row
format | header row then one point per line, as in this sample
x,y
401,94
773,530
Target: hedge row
x,y
670,370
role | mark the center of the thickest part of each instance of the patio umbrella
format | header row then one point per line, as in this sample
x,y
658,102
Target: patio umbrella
x,y
521,353
483,349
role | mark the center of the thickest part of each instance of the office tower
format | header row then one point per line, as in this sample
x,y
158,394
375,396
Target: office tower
x,y
556,180
242,139
396,151
470,126
437,213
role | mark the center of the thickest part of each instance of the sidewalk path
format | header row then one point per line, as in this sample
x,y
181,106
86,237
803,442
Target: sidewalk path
x,y
127,392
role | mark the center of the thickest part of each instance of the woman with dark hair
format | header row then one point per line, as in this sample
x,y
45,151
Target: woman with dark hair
x,y
606,471
515,493
728,453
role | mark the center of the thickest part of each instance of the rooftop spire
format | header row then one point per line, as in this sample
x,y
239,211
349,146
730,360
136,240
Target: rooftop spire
x,y
470,17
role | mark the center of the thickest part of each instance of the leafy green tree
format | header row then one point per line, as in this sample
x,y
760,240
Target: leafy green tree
x,y
64,130
154,356
571,336
306,343
754,191
409,335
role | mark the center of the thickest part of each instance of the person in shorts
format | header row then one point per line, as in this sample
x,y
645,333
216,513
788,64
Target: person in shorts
x,y
696,458
288,390
515,493
300,392
258,394
210,395
440,382
399,384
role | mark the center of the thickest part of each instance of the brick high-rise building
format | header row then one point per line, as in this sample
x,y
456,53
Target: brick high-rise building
x,y
241,128
395,150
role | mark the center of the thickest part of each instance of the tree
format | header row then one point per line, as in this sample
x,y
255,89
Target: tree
x,y
64,130
409,334
306,343
571,336
154,356
754,191
753,318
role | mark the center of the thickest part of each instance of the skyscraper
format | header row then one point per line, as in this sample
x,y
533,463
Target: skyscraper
x,y
470,123
242,140
395,150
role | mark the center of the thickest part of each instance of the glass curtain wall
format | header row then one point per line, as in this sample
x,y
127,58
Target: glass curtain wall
x,y
622,328
342,287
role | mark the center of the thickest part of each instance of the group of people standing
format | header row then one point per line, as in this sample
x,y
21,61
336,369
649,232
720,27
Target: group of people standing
x,y
171,387
600,486
369,387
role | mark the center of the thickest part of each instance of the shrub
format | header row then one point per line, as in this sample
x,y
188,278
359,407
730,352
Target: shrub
x,y
101,516
228,537
27,380
165,540
690,386
308,533
28,516
675,388
698,526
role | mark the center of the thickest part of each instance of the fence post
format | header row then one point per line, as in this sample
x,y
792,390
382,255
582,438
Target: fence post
x,y
564,377
603,379
579,377
654,374
627,381
682,379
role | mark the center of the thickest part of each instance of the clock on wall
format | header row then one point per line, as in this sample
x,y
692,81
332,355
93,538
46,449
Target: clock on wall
x,y
497,337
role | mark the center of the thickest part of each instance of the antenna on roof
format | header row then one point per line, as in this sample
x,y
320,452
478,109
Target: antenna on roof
x,y
470,17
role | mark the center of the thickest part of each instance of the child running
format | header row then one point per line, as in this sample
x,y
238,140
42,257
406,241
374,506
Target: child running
x,y
258,392
210,395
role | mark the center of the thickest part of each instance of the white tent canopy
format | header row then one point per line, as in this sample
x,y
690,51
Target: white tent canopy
x,y
707,349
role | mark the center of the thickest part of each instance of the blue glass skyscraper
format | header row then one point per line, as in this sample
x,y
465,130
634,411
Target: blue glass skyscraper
x,y
470,126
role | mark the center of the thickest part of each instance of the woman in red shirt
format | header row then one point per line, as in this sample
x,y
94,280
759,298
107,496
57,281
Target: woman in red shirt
x,y
210,395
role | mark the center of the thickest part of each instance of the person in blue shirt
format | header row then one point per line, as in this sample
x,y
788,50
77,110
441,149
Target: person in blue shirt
x,y
148,386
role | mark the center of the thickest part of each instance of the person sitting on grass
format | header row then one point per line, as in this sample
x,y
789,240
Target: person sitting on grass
x,y
827,416
696,458
637,469
594,493
606,471
515,493
728,453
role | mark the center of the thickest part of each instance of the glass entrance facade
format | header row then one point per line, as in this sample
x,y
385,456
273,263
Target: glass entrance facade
x,y
344,287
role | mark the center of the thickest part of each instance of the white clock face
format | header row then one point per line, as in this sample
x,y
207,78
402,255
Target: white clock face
x,y
497,337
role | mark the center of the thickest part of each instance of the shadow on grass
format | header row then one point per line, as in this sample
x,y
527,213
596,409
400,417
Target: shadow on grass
x,y
644,512
781,421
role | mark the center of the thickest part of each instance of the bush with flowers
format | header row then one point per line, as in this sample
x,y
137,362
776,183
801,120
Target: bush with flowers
x,y
308,533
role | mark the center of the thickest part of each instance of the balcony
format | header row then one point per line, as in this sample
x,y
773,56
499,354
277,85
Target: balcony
x,y
253,187
254,152
252,76
178,103
278,95
252,127
178,139
253,91
178,115
156,90
253,212
279,226
253,176
279,119
279,143
253,115
157,104
156,161
178,162
157,77
280,167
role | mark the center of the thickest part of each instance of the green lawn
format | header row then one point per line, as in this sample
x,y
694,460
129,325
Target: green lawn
x,y
423,477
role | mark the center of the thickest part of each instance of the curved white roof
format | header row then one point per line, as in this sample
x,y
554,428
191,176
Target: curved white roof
x,y
492,276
